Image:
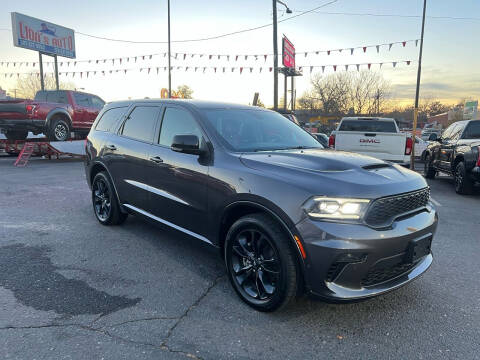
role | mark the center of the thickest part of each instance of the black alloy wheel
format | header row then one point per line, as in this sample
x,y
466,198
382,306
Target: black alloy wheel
x,y
463,185
260,262
255,264
101,199
105,202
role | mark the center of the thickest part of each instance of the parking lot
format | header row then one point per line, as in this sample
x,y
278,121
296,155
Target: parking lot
x,y
72,288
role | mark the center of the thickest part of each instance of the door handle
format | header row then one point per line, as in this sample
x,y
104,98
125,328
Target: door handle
x,y
111,147
156,159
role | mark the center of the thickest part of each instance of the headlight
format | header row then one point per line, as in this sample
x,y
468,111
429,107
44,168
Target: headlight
x,y
336,208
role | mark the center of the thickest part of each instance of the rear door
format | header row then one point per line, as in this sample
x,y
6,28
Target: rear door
x,y
81,109
178,182
128,154
373,137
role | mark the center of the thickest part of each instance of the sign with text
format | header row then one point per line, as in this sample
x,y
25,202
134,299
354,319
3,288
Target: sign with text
x,y
35,34
470,110
288,53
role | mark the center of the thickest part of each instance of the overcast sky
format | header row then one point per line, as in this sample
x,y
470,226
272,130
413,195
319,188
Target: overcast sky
x,y
451,53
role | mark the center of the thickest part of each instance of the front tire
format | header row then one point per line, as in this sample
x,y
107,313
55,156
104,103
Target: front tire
x,y
261,263
16,135
105,203
59,130
428,170
463,184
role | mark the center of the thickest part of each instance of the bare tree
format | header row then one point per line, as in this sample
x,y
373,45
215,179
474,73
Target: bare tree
x,y
364,92
29,84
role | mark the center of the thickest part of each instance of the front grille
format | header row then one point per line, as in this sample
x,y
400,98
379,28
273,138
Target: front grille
x,y
385,210
335,270
379,275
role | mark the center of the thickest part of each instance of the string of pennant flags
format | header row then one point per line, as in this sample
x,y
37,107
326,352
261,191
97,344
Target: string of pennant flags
x,y
221,69
228,57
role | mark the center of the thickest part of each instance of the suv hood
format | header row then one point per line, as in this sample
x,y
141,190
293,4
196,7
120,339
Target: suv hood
x,y
335,172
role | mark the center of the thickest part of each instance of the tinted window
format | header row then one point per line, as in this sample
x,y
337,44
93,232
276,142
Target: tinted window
x,y
81,99
97,102
41,96
109,119
177,122
472,131
368,126
257,130
140,124
56,97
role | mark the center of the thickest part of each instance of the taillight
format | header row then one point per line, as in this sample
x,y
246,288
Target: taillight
x,y
331,141
408,146
478,160
30,109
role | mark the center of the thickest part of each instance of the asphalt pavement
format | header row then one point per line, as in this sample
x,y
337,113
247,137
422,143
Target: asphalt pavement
x,y
71,288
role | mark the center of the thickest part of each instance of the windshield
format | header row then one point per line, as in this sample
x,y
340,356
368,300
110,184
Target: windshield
x,y
258,130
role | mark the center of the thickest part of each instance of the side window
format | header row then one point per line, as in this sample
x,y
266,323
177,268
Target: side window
x,y
109,119
177,122
52,97
472,131
62,97
97,102
81,99
140,124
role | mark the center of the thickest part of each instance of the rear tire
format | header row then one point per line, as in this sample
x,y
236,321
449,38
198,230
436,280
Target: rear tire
x,y
463,184
261,263
429,171
59,130
105,202
16,135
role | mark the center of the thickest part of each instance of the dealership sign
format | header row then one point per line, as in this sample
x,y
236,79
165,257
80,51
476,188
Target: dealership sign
x,y
470,110
288,53
35,34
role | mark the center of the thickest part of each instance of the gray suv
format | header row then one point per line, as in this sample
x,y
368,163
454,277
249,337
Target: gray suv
x,y
287,215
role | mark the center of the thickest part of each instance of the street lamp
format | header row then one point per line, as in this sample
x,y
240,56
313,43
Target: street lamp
x,y
275,51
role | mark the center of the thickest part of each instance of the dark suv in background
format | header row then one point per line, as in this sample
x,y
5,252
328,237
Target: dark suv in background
x,y
287,215
456,152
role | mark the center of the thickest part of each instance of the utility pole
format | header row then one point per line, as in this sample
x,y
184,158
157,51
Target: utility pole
x,y
275,57
169,57
415,113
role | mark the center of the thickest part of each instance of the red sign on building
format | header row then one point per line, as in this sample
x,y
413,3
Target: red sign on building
x,y
288,53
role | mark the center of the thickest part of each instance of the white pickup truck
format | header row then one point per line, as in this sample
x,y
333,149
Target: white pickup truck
x,y
377,137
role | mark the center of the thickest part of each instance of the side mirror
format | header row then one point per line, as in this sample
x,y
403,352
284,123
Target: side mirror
x,y
433,137
187,144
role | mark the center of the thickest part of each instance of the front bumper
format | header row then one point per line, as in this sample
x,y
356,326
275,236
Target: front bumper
x,y
350,261
22,124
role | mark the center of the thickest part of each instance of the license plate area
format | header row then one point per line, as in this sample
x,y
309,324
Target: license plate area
x,y
418,248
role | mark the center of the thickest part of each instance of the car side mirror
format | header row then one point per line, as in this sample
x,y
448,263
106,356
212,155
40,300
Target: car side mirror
x,y
187,144
433,137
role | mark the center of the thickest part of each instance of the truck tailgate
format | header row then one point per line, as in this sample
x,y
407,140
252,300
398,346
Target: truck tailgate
x,y
379,143
13,109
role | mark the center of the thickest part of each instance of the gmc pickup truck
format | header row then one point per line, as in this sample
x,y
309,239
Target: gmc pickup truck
x,y
55,113
456,152
376,137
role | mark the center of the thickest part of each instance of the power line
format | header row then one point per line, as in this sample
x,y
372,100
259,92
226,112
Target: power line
x,y
211,37
393,15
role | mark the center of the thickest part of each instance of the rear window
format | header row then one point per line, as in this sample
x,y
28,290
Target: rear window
x,y
109,119
59,97
368,126
472,131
